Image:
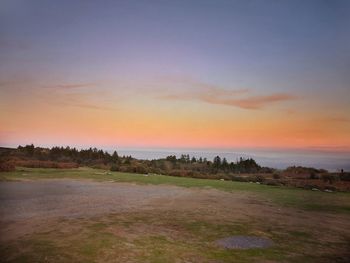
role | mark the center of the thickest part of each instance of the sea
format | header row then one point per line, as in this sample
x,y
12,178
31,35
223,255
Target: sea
x,y
279,159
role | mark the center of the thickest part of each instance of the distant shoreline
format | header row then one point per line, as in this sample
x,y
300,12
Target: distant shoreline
x,y
278,159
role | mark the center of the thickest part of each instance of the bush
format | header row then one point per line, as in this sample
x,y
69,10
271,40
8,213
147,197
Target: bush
x,y
301,170
155,170
332,188
44,164
114,168
276,176
6,167
331,178
140,169
310,186
123,169
272,183
178,173
131,168
239,179
344,176
313,176
259,178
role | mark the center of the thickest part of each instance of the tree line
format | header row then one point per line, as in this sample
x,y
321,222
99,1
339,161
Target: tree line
x,y
185,165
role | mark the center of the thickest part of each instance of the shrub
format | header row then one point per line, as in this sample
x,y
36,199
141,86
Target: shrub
x,y
179,173
114,168
272,183
332,188
313,176
276,176
331,178
344,176
123,169
310,186
155,170
239,178
44,164
140,169
6,167
259,178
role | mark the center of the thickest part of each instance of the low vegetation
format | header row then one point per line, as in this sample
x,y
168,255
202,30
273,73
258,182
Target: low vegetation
x,y
243,170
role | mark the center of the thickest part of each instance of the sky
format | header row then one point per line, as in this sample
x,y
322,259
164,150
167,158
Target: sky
x,y
176,74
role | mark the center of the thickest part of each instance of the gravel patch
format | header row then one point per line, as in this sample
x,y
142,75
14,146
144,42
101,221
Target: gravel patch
x,y
244,242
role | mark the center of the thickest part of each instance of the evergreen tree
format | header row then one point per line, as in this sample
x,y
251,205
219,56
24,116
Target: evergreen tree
x,y
224,163
217,162
115,156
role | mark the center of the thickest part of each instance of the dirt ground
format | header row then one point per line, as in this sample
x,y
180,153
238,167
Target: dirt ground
x,y
72,198
31,207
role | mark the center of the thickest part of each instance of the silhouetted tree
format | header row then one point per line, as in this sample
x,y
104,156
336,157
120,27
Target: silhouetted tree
x,y
29,149
224,163
217,162
115,157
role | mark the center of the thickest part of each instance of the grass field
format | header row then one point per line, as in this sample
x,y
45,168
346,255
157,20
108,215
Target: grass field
x,y
285,196
306,226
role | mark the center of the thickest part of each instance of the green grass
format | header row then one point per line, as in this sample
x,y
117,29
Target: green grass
x,y
54,246
190,240
283,196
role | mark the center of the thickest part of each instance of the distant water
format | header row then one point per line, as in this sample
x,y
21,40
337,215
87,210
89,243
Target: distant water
x,y
279,159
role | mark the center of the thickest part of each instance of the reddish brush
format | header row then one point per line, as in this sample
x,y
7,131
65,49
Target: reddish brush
x,y
44,164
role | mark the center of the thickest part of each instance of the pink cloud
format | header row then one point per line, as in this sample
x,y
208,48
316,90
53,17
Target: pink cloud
x,y
72,85
213,94
254,102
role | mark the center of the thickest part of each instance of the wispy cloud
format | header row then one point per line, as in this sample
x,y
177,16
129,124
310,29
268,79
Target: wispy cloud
x,y
193,86
338,119
241,98
81,95
255,102
71,85
81,99
83,105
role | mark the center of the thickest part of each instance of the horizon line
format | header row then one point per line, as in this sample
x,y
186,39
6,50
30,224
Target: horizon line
x,y
323,149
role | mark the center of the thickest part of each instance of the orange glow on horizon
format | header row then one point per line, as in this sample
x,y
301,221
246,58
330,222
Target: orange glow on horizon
x,y
72,118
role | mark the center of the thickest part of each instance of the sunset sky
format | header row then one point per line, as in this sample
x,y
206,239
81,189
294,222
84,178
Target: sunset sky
x,y
175,74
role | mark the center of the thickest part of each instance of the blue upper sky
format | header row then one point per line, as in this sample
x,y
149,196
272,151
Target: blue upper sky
x,y
215,41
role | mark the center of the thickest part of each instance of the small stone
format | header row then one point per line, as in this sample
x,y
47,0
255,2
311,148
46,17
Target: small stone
x,y
244,242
